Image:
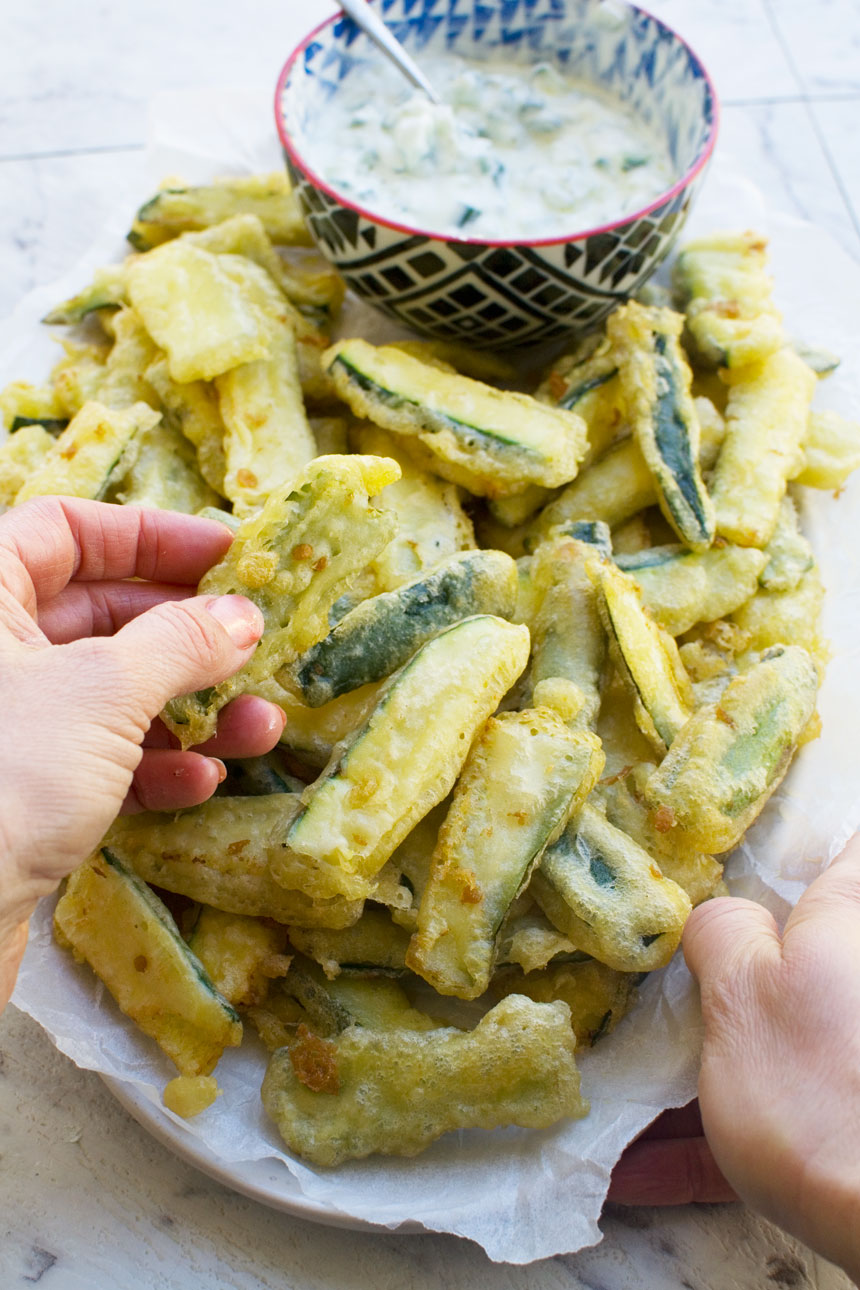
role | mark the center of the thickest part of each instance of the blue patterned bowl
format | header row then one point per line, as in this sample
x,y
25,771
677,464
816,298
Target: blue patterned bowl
x,y
506,294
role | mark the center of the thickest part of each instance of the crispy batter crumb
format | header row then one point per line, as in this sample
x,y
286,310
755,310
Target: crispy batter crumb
x,y
314,1061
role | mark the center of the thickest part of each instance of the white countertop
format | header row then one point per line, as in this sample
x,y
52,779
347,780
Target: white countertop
x,y
90,1201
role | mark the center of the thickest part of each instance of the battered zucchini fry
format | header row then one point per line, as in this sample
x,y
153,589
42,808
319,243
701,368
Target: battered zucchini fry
x,y
268,439
597,995
766,422
493,442
406,757
219,854
110,919
730,757
341,1099
831,450
431,521
568,637
587,382
789,555
241,954
165,474
196,312
374,944
680,587
725,292
177,210
524,777
106,291
192,409
646,656
655,385
381,634
791,617
608,896
92,454
20,457
293,560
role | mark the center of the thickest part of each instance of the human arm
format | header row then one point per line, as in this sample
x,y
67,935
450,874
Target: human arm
x,y
99,626
779,1088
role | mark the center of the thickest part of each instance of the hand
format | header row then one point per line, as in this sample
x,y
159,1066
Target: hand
x,y
88,658
779,1088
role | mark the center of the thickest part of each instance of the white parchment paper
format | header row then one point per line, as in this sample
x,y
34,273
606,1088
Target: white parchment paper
x,y
521,1194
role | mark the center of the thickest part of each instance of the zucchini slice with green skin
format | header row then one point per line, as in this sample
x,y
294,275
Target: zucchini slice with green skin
x,y
270,197
111,919
655,383
607,895
93,453
646,657
381,634
766,423
525,775
106,291
293,560
491,441
681,588
725,292
516,1067
374,945
406,756
219,853
788,554
724,765
568,636
616,486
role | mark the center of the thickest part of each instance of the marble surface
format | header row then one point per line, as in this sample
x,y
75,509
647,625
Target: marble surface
x,y
90,1201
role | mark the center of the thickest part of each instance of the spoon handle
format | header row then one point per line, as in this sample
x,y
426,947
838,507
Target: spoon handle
x,y
370,23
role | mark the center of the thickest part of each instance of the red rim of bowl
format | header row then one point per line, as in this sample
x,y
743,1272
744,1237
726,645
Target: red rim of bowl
x,y
577,236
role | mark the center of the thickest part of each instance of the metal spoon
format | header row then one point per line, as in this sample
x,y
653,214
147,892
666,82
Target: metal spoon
x,y
373,26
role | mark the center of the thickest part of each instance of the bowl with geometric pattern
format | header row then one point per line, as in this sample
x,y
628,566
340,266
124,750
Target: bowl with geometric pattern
x,y
505,294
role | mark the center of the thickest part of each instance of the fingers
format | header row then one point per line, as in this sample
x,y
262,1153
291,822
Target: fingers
x,y
247,727
722,935
835,894
178,647
168,780
101,608
669,1171
55,539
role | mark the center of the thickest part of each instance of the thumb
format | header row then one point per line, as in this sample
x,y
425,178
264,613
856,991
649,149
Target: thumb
x,y
184,645
723,935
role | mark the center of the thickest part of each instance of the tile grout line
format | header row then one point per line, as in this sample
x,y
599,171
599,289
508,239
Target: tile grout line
x,y
58,153
809,104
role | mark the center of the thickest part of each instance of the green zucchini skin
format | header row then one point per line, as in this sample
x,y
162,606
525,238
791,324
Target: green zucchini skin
x,y
655,379
594,532
605,892
729,758
380,634
53,425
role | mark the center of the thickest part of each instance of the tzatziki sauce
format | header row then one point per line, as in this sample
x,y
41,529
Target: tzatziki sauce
x,y
512,151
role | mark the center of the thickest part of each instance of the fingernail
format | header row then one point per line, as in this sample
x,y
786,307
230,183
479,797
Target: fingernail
x,y
220,767
240,618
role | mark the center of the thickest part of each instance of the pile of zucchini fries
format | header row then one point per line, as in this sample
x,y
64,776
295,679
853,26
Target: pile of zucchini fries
x,y
544,657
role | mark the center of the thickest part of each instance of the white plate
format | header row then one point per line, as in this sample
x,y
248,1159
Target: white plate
x,y
264,1180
